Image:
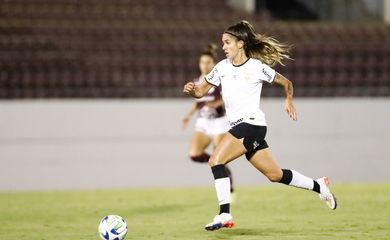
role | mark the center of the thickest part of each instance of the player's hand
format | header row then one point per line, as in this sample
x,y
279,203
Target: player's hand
x,y
290,109
189,88
184,122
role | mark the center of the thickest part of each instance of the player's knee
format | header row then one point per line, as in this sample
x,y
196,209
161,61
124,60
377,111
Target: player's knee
x,y
274,177
215,160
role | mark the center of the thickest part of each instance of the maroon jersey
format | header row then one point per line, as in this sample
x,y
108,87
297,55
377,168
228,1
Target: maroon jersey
x,y
206,111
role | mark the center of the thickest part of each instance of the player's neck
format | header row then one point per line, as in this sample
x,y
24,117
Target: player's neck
x,y
239,59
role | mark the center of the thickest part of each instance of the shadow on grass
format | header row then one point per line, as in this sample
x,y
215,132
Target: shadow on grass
x,y
237,232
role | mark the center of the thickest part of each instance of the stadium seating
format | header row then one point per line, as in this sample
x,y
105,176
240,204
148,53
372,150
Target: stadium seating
x,y
147,48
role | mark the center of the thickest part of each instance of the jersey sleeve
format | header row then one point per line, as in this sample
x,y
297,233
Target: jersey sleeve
x,y
267,73
213,77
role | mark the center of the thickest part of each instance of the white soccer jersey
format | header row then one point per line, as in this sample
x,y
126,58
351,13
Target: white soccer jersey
x,y
241,89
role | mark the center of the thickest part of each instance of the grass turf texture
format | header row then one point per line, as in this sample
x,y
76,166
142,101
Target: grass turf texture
x,y
262,212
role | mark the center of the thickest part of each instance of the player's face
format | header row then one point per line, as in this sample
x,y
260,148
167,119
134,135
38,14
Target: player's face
x,y
231,46
206,64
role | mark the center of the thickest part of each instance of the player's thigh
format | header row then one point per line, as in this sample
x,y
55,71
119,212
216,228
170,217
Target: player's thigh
x,y
199,142
263,161
228,149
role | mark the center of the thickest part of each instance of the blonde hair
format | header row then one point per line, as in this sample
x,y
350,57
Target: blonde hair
x,y
267,49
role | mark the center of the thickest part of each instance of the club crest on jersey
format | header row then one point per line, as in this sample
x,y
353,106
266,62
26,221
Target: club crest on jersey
x,y
247,77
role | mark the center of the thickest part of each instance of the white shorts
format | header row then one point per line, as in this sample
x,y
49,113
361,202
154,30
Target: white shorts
x,y
212,126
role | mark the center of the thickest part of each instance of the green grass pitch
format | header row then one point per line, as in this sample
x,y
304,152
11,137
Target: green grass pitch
x,y
261,212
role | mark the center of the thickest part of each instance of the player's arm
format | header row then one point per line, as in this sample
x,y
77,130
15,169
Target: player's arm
x,y
288,89
188,116
197,90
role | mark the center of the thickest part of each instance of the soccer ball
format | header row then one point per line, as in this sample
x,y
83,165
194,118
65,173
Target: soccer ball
x,y
112,227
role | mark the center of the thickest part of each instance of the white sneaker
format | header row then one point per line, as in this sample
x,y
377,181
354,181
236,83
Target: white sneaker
x,y
220,221
325,194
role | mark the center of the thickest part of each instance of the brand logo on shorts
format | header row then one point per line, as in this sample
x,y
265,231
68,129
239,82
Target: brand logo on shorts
x,y
255,145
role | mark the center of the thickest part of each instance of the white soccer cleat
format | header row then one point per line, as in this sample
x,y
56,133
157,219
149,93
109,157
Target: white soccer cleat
x,y
220,221
325,194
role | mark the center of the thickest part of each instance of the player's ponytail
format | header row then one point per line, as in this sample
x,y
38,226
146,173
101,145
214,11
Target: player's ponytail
x,y
267,49
211,51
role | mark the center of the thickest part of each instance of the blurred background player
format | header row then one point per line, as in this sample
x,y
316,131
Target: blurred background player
x,y
211,122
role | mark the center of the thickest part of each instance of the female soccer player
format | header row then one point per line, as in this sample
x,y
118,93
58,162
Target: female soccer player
x,y
241,75
211,124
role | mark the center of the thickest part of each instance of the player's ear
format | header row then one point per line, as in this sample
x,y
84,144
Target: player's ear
x,y
240,44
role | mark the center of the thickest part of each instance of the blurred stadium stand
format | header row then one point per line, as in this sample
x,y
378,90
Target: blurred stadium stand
x,y
147,48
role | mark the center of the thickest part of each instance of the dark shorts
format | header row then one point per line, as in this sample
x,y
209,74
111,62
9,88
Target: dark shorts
x,y
253,135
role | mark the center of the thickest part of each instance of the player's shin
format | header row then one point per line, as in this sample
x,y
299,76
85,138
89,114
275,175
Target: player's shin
x,y
296,179
222,187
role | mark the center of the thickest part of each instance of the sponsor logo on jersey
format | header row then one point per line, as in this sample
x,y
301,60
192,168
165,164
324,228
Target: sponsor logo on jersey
x,y
212,74
267,74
